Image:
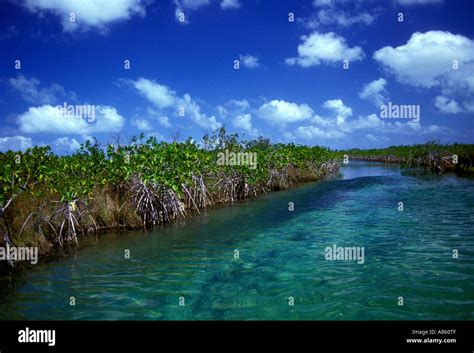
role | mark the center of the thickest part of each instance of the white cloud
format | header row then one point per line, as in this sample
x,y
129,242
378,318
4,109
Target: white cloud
x,y
446,105
434,59
244,122
312,132
184,6
160,95
323,2
337,105
88,13
191,4
141,124
165,98
163,120
280,112
469,105
375,92
31,92
240,105
370,121
15,143
339,124
230,4
338,108
426,59
193,110
233,107
49,119
331,17
222,111
327,128
67,144
249,61
341,13
328,48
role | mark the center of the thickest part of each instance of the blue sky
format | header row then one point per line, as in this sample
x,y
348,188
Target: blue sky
x,y
270,68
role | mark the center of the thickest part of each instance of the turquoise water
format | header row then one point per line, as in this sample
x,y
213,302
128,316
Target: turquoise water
x,y
281,254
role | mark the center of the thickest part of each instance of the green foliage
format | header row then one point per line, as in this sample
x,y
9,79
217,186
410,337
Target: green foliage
x,y
430,155
172,165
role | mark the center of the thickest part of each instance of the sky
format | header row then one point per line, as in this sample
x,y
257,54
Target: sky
x,y
313,72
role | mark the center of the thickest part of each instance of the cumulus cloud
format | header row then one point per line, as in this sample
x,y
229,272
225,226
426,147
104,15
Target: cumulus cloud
x,y
312,132
66,144
161,96
50,119
163,120
88,13
249,61
240,105
141,124
244,122
327,48
158,115
323,2
230,4
446,105
337,105
193,110
326,128
434,59
426,59
339,110
15,143
280,112
31,92
164,98
375,92
339,124
191,4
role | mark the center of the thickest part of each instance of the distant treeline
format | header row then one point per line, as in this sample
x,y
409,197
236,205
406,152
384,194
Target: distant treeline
x,y
48,200
432,156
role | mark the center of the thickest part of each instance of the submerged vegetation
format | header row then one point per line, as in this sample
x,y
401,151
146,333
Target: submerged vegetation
x,y
49,201
432,156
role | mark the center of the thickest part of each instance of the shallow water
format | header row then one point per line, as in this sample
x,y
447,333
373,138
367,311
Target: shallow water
x,y
281,254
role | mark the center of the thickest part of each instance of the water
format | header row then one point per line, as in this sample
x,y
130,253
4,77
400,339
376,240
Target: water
x,y
408,254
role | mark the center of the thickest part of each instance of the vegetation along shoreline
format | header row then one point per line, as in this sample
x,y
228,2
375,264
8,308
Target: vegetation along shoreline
x,y
51,202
